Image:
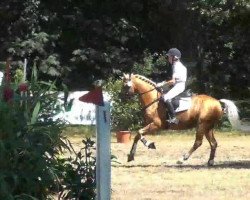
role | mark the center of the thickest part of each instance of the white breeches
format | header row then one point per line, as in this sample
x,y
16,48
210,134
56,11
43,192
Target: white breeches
x,y
176,90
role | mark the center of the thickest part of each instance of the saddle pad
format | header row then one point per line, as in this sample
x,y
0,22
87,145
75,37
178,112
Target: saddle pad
x,y
184,104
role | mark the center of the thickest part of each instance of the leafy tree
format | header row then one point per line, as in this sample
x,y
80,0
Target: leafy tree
x,y
78,42
223,46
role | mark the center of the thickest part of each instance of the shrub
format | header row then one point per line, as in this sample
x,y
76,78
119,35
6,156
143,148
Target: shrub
x,y
145,67
125,114
29,142
77,174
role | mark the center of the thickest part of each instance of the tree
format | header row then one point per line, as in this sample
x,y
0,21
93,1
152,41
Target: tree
x,y
223,46
78,42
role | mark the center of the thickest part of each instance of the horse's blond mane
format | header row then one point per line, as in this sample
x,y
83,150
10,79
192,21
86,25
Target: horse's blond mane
x,y
143,78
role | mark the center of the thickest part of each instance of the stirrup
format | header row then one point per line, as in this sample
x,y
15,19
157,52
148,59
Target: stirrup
x,y
173,120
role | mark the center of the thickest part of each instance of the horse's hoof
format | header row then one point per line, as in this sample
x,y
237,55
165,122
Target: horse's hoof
x,y
179,162
130,157
185,156
210,163
152,145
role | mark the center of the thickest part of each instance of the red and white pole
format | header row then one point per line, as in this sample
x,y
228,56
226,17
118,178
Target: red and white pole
x,y
103,153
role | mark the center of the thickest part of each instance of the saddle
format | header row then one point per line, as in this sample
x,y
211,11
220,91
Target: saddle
x,y
187,94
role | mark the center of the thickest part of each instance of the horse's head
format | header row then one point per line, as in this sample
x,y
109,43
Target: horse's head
x,y
128,87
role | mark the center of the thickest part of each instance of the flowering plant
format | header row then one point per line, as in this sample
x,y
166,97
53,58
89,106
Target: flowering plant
x,y
30,139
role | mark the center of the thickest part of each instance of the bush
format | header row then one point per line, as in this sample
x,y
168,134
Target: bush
x,y
77,174
125,114
29,142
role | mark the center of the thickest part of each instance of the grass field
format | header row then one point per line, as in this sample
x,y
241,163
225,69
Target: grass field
x,y
154,175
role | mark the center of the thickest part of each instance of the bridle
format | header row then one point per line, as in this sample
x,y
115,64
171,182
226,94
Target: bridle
x,y
140,94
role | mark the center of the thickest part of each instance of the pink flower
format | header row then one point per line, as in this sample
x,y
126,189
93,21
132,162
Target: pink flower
x,y
23,87
8,94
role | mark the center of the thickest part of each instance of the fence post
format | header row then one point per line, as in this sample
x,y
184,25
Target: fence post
x,y
103,157
103,154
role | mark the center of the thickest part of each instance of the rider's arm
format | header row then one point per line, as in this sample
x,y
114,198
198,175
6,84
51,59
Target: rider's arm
x,y
171,82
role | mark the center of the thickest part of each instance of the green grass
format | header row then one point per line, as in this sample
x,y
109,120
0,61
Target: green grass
x,y
78,130
90,131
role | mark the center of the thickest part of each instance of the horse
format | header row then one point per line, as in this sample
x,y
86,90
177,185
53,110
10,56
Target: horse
x,y
204,113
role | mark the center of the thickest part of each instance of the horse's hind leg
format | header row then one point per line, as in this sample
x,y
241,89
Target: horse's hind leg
x,y
198,142
213,145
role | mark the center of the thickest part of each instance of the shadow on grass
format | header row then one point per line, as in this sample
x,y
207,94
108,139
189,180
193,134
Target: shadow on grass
x,y
241,164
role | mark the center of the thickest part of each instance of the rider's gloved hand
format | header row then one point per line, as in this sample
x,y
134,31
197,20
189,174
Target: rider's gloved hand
x,y
160,84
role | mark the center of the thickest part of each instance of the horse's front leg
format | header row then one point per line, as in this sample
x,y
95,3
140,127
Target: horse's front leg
x,y
149,144
133,149
140,136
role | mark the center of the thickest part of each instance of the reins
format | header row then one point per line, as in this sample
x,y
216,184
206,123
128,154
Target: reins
x,y
155,88
156,100
145,107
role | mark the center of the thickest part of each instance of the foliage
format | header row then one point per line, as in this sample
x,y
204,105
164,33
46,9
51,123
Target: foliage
x,y
30,145
125,113
36,48
77,174
18,77
224,124
223,47
82,41
29,142
145,68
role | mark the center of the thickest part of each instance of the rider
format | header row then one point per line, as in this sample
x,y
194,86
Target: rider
x,y
178,81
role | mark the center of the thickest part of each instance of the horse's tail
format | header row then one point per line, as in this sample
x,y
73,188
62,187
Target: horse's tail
x,y
232,113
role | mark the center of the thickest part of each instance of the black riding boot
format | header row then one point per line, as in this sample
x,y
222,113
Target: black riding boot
x,y
171,112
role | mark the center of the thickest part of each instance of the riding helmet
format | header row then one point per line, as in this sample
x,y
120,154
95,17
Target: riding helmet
x,y
174,52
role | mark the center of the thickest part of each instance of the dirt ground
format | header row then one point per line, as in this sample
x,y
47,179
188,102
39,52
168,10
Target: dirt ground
x,y
155,174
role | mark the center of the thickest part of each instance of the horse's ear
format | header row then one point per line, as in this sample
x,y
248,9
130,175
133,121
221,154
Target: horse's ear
x,y
126,76
122,76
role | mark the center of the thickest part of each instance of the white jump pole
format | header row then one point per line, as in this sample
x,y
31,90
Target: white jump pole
x,y
103,152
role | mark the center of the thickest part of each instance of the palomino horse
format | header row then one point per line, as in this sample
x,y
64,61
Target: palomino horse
x,y
204,113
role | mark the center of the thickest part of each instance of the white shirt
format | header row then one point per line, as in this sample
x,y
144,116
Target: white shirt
x,y
179,72
1,77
